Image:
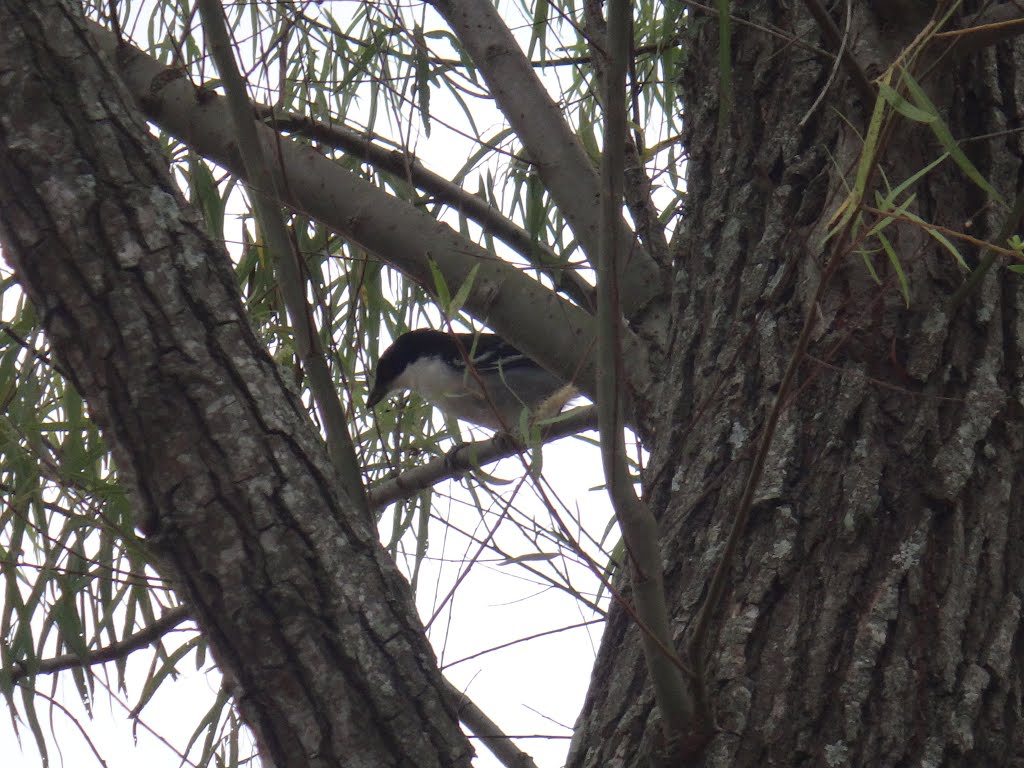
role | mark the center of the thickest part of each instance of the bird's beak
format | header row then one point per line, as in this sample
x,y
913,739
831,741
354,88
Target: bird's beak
x,y
377,393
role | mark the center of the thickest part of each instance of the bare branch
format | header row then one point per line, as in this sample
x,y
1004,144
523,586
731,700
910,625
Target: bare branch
x,y
119,650
685,719
472,456
562,163
409,168
542,324
485,729
263,190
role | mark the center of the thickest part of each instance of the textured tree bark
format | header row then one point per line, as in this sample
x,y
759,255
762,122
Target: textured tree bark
x,y
309,620
873,613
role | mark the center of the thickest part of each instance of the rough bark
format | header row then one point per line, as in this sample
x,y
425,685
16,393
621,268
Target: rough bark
x,y
309,620
873,614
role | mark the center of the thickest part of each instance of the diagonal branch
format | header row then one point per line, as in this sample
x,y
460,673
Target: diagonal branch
x,y
485,729
472,456
563,165
119,650
545,326
409,168
834,36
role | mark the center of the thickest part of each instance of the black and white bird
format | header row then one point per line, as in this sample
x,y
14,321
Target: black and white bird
x,y
474,377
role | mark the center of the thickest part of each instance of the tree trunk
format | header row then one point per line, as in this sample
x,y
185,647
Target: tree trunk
x,y
872,612
309,619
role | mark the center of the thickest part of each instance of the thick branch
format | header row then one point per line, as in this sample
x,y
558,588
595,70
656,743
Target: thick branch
x,y
309,619
550,329
563,165
408,168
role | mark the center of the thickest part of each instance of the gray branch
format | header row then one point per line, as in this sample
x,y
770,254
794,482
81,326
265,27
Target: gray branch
x,y
550,329
553,148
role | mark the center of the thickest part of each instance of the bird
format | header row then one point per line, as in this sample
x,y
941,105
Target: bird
x,y
474,377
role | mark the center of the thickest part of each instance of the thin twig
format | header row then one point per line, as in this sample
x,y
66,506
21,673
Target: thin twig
x,y
685,721
835,67
40,357
485,729
471,456
510,643
835,39
263,190
118,650
988,27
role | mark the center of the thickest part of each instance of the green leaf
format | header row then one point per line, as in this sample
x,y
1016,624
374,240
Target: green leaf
x,y
538,31
849,207
168,668
941,131
208,724
896,265
914,179
455,306
614,561
940,238
422,77
866,256
444,296
422,537
204,194
530,557
28,698
904,107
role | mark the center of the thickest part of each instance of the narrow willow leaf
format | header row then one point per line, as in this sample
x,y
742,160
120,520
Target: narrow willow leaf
x,y
942,133
422,536
205,194
423,77
904,107
897,191
444,296
896,265
530,557
851,204
457,302
866,256
208,725
166,669
944,241
28,699
614,561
